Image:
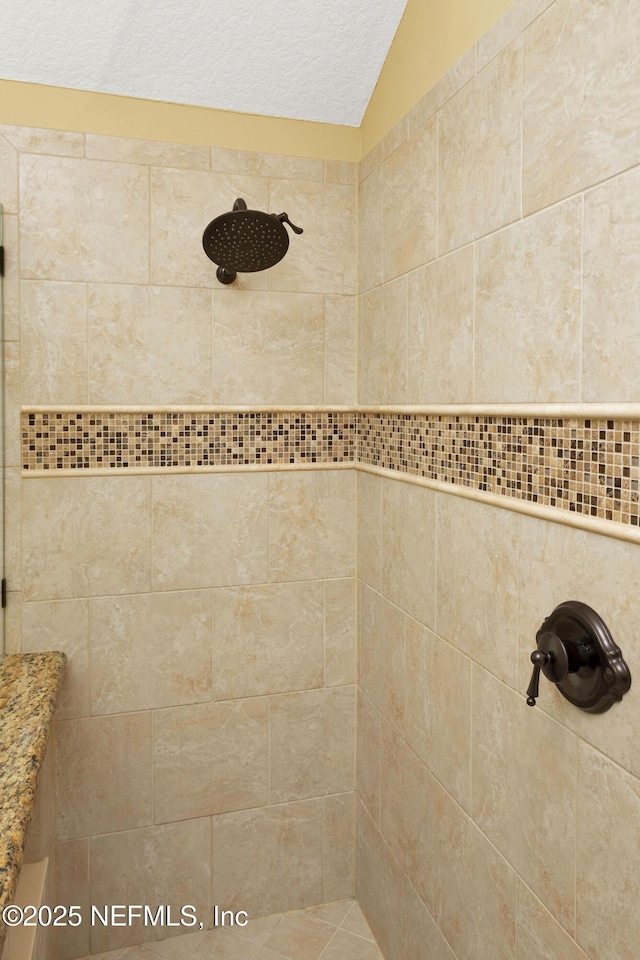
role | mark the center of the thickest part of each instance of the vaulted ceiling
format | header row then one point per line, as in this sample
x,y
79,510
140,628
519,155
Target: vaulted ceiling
x,y
302,59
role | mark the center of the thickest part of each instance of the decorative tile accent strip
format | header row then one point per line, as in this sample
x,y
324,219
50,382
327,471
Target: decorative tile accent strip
x,y
121,441
589,467
585,466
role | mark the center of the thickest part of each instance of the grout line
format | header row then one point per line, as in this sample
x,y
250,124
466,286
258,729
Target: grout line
x,y
581,343
522,132
437,185
474,345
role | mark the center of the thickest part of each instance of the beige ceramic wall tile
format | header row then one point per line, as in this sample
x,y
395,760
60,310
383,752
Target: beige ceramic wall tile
x,y
370,232
338,847
383,344
149,345
311,744
72,888
381,653
282,842
512,764
83,220
436,720
184,155
539,935
168,864
419,716
440,330
99,786
340,342
368,756
62,625
267,639
13,528
369,529
209,530
53,334
150,650
60,143
210,758
611,261
268,348
478,612
321,259
183,203
581,111
311,525
12,401
13,623
475,889
603,573
290,168
410,197
8,176
453,80
84,537
381,888
384,148
528,310
409,549
479,154
339,632
267,165
340,171
423,940
10,282
407,811
512,23
607,863
451,753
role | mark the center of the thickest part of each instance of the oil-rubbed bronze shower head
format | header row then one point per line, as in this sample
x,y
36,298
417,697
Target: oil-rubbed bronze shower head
x,y
245,241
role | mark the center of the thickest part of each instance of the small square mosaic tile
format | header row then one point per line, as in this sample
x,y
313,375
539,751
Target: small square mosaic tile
x,y
120,441
589,467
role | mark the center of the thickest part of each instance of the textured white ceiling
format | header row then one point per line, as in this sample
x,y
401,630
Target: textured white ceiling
x,y
305,59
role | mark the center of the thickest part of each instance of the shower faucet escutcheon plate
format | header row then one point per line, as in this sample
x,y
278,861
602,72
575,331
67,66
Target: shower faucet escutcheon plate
x,y
245,241
576,652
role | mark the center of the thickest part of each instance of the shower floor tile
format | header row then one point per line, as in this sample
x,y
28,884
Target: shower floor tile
x,y
332,931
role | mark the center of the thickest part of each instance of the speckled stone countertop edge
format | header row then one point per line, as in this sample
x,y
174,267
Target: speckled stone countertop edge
x,y
29,684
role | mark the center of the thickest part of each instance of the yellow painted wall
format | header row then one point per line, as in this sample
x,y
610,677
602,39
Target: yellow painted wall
x,y
59,108
432,35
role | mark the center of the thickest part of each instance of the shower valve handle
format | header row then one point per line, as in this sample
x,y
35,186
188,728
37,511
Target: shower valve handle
x,y
283,218
552,657
539,659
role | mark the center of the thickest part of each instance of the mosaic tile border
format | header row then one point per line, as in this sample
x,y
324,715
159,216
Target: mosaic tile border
x,y
119,441
586,466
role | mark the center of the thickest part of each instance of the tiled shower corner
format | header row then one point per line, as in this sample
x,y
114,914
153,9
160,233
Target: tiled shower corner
x,y
332,931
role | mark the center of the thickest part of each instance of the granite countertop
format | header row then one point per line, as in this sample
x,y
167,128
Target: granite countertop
x,y
29,685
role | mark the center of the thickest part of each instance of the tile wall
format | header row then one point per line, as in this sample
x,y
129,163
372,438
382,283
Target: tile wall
x,y
486,828
207,725
497,263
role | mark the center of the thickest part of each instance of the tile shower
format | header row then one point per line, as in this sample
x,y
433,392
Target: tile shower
x,y
209,613
209,617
